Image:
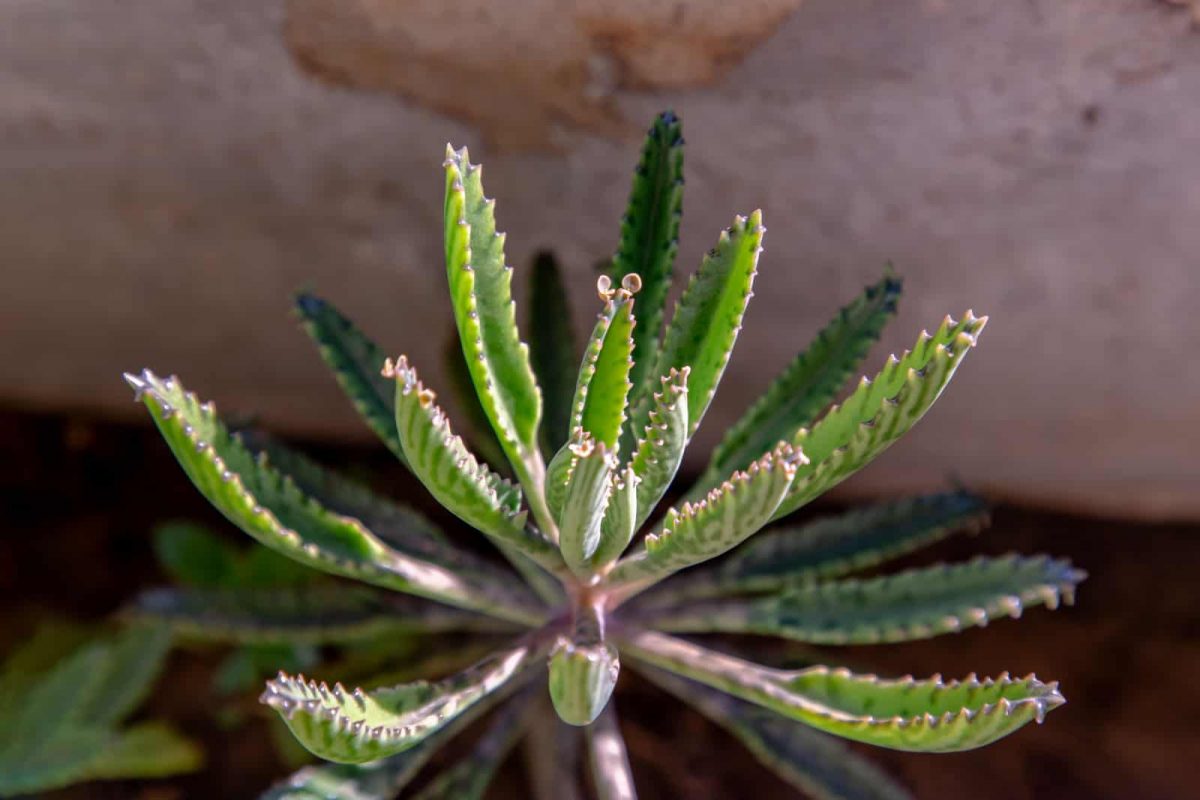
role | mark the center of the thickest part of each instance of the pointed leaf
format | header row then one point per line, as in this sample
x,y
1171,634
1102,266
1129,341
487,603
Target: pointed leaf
x,y
269,507
602,388
650,240
808,384
147,750
658,454
708,317
311,614
441,461
816,764
879,412
706,529
583,669
481,293
914,604
924,716
356,727
134,659
611,774
552,350
829,546
589,485
356,362
469,777
620,519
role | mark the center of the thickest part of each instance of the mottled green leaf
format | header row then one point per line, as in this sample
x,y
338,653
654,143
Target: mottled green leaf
x,y
609,760
620,519
552,350
468,778
269,507
914,604
309,614
356,362
905,714
602,388
589,485
708,318
808,384
659,452
818,765
356,727
482,437
706,529
829,546
879,411
481,294
649,242
147,750
583,669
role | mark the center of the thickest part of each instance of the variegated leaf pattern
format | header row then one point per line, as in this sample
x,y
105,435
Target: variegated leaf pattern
x,y
466,488
699,531
584,667
355,361
620,519
708,318
808,384
929,715
914,604
602,389
269,507
360,726
325,614
481,294
659,452
827,547
880,411
468,778
552,350
650,241
609,759
818,765
589,487
462,387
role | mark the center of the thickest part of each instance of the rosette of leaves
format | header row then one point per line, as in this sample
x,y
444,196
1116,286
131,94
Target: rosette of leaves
x,y
600,576
65,696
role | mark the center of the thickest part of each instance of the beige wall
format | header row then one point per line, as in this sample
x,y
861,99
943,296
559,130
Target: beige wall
x,y
170,171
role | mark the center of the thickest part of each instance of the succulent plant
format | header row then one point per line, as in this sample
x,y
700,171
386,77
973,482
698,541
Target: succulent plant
x,y
594,450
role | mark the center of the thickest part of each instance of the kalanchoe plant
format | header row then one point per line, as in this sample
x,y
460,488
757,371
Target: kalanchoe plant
x,y
592,593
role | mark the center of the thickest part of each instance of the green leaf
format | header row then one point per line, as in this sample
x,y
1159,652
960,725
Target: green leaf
x,y
552,349
57,762
311,614
879,412
356,727
829,546
816,764
269,507
706,529
468,778
583,670
356,362
462,387
914,604
609,760
477,496
658,454
193,555
602,388
50,704
650,240
147,750
924,716
481,293
133,661
620,519
808,384
707,320
589,485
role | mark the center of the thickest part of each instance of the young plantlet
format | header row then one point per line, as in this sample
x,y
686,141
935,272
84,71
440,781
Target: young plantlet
x,y
590,473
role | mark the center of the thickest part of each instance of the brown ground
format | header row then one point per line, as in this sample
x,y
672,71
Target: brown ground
x,y
78,499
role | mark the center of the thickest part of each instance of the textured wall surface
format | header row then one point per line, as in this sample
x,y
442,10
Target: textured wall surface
x,y
170,170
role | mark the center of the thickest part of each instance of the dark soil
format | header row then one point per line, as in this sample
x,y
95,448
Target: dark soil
x,y
79,499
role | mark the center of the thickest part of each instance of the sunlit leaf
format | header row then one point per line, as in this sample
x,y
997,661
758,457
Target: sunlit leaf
x,y
609,759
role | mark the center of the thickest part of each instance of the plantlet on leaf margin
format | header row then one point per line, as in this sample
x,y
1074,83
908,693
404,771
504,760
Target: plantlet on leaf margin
x,y
582,493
